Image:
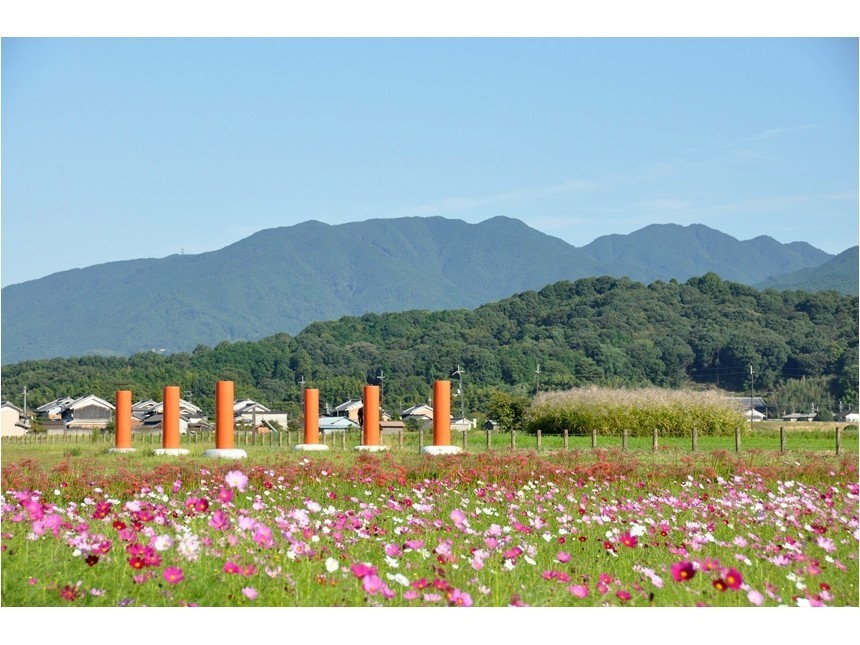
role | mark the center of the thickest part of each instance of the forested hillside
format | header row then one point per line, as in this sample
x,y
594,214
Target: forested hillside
x,y
608,331
281,280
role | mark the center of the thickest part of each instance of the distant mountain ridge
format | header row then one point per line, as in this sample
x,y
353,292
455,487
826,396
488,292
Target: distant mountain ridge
x,y
282,279
839,274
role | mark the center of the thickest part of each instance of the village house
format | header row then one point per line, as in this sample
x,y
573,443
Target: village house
x,y
83,414
350,409
422,414
332,425
753,408
12,423
248,412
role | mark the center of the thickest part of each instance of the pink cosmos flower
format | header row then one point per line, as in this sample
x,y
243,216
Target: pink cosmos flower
x,y
263,536
372,584
628,540
231,567
579,591
362,570
392,550
563,556
826,544
236,479
459,598
250,593
219,520
682,571
755,597
622,595
173,575
734,579
225,495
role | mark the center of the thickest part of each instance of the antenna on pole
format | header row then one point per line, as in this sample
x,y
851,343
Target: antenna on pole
x,y
459,373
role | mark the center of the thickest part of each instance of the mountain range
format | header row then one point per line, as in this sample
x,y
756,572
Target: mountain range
x,y
282,279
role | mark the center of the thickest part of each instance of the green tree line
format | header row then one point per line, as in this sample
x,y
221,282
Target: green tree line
x,y
604,331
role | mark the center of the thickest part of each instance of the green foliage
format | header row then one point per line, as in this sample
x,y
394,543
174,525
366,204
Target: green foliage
x,y
283,279
606,331
839,274
639,411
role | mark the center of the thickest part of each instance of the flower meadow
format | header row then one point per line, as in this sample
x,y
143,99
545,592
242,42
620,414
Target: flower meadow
x,y
382,530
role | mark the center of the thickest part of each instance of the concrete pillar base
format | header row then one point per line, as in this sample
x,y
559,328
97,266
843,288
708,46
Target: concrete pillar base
x,y
172,452
441,450
372,448
225,453
310,447
121,450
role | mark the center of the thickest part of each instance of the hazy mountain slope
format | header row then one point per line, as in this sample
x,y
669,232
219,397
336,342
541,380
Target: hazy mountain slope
x,y
280,280
659,251
839,274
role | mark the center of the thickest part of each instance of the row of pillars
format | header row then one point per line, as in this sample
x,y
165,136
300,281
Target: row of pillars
x,y
170,423
224,422
370,430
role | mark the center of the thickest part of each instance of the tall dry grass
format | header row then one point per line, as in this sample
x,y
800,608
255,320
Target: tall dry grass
x,y
639,411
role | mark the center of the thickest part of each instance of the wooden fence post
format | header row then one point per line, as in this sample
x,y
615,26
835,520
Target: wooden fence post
x,y
420,438
400,437
838,440
513,438
538,438
737,439
465,439
489,440
782,439
594,437
695,438
565,439
624,439
654,441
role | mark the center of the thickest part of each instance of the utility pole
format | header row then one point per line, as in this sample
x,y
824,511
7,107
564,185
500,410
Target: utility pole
x,y
537,379
459,373
381,390
751,396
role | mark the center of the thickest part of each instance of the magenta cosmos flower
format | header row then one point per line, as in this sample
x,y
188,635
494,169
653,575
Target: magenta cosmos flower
x,y
173,575
628,540
682,571
734,579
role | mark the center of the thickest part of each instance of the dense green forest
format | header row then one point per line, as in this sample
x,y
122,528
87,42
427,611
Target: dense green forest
x,y
607,331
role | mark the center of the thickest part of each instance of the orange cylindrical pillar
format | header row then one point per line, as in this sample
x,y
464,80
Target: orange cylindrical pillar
x,y
123,419
224,415
371,415
170,423
312,416
442,413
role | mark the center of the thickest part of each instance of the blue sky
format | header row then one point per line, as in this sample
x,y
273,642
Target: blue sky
x,y
123,148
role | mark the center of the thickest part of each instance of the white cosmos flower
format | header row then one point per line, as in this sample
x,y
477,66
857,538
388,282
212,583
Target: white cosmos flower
x,y
331,565
399,578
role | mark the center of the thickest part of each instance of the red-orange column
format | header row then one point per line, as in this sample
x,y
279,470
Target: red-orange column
x,y
371,415
170,434
312,416
224,415
123,419
442,413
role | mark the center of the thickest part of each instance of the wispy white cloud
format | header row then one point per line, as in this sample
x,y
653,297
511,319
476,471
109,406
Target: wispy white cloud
x,y
778,132
459,204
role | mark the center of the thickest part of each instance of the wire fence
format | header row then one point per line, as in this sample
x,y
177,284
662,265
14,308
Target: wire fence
x,y
838,440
